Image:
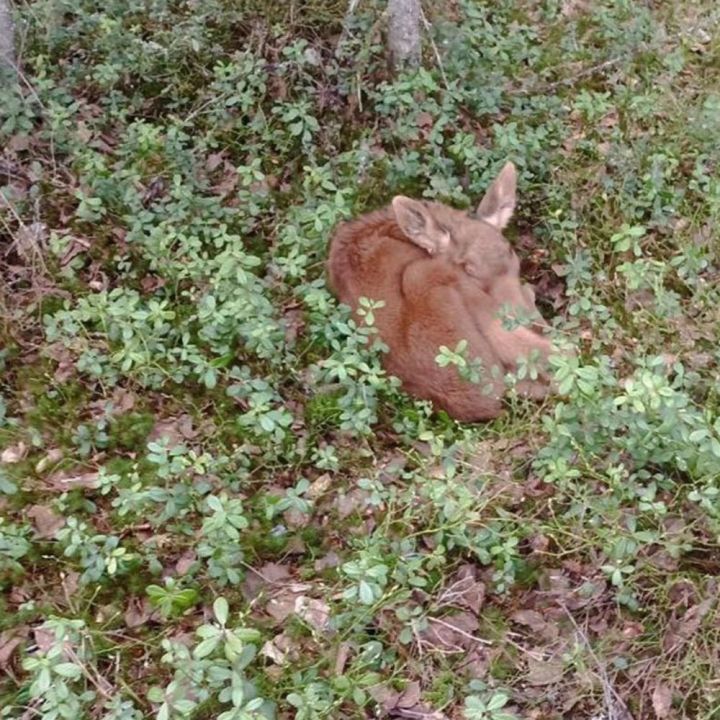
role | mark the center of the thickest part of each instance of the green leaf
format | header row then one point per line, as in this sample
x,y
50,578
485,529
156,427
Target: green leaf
x,y
246,657
237,696
185,706
185,598
68,670
247,634
214,503
44,680
206,647
208,631
622,244
155,592
233,645
406,636
156,694
7,486
715,447
497,701
367,597
210,378
220,608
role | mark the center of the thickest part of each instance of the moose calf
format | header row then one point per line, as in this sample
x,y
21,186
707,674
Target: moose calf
x,y
444,276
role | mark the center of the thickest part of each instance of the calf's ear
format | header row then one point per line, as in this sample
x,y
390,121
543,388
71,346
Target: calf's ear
x,y
419,225
498,204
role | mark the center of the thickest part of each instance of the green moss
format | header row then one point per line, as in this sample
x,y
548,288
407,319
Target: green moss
x,y
526,574
131,430
313,537
266,544
503,667
58,408
443,689
322,410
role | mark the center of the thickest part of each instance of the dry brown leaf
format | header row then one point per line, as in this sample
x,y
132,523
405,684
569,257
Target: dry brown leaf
x,y
319,486
530,618
314,612
151,283
539,543
281,649
401,705
343,653
138,612
185,562
410,695
63,357
53,456
452,632
46,521
424,119
120,402
10,640
281,608
70,583
632,630
7,648
20,594
384,696
570,8
294,318
295,518
418,712
175,429
682,593
63,483
13,453
214,160
477,662
349,503
18,143
282,604
702,39
76,246
274,573
44,639
295,546
30,241
663,560
228,180
680,631
258,580
464,590
555,582
327,562
273,652
543,672
662,700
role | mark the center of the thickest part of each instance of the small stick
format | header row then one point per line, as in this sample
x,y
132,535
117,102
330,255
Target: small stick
x,y
480,640
428,29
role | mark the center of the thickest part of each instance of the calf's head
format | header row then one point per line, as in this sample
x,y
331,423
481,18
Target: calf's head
x,y
473,242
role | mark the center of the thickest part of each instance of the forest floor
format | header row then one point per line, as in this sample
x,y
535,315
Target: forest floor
x,y
213,501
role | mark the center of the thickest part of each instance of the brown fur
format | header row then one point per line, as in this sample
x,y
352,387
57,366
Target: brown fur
x,y
443,277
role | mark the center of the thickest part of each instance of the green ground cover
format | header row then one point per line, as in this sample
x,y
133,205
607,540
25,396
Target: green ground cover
x,y
213,501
